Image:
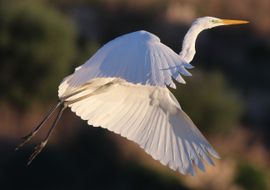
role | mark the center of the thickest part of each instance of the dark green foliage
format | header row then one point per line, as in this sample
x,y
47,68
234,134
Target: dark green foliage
x,y
250,177
37,45
210,103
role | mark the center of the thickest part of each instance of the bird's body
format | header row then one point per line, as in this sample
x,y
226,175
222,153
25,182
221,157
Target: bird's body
x,y
123,88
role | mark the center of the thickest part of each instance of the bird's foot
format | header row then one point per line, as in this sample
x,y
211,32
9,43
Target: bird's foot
x,y
26,139
37,150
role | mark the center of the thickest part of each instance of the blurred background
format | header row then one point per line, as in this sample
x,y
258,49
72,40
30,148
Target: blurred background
x,y
41,41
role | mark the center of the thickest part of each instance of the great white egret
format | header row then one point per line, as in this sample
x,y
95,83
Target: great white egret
x,y
123,88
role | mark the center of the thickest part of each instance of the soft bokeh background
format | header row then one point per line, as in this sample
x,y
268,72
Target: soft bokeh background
x,y
227,97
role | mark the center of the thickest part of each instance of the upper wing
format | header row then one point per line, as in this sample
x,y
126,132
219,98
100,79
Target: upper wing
x,y
138,57
150,116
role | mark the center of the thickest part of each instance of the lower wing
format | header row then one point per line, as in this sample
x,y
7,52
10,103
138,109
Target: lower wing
x,y
147,115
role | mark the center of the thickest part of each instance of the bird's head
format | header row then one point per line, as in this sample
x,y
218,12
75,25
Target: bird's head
x,y
210,22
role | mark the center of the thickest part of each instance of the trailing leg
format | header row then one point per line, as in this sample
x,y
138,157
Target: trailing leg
x,y
28,137
41,145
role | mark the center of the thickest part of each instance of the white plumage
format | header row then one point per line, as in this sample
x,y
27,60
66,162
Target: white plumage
x,y
123,88
138,57
147,115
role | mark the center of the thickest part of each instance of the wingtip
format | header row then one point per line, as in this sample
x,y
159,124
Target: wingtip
x,y
213,153
188,65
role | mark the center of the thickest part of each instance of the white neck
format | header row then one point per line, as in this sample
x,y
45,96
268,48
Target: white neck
x,y
188,47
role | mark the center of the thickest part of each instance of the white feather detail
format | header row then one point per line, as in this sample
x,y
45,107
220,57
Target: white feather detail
x,y
147,115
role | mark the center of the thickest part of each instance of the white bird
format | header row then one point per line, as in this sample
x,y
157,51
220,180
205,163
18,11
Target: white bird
x,y
123,88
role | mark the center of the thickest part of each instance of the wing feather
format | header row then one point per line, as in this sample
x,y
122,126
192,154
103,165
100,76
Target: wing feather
x,y
127,131
148,115
172,67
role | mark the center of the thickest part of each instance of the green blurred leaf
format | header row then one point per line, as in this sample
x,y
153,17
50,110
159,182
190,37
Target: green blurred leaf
x,y
37,46
251,177
209,102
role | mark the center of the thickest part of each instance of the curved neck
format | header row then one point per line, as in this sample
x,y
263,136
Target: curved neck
x,y
188,47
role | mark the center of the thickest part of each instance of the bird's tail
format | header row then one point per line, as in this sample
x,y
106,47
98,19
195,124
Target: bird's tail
x,y
43,143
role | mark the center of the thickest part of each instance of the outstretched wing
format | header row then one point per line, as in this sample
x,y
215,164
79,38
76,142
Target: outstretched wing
x,y
147,115
138,57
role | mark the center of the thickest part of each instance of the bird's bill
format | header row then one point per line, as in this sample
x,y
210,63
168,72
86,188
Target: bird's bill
x,y
230,22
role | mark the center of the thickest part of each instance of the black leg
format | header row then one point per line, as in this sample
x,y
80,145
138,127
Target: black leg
x,y
28,137
41,145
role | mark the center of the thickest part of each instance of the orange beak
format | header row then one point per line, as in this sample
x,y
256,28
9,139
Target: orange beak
x,y
230,22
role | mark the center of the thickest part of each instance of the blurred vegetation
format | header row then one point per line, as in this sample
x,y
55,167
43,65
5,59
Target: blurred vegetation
x,y
251,177
37,45
211,104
